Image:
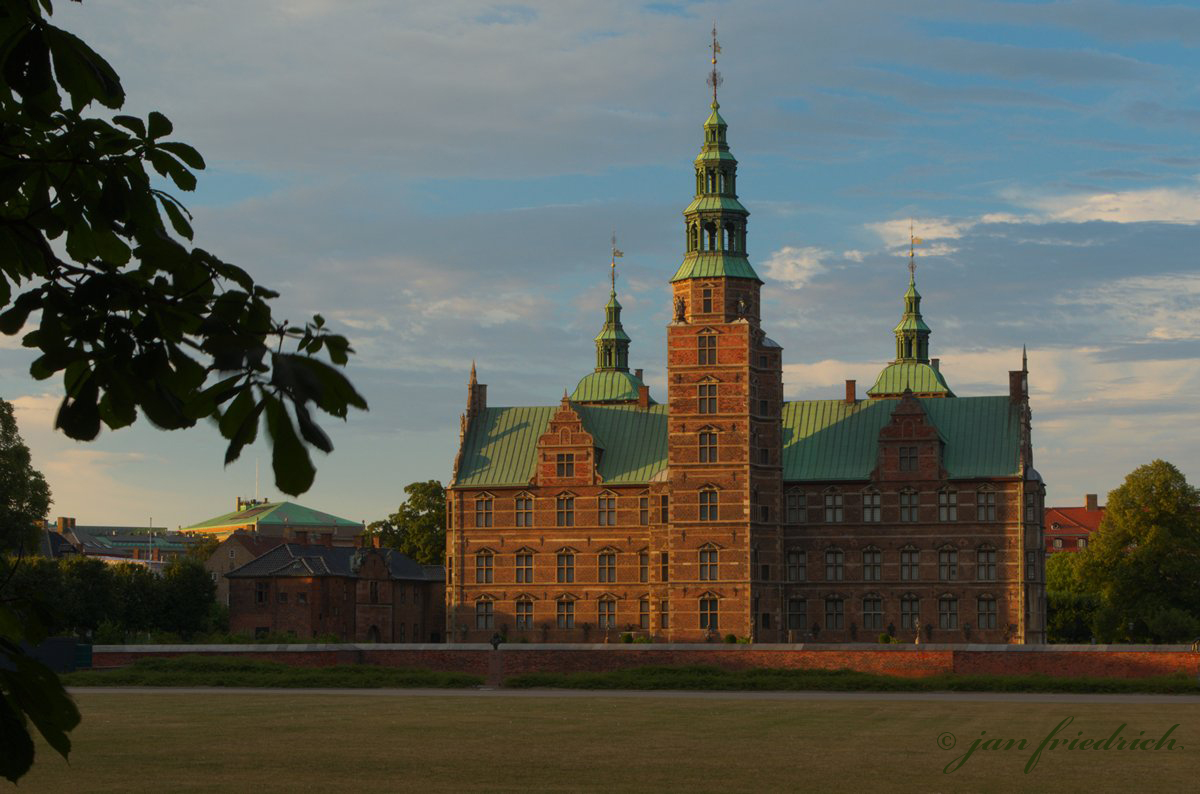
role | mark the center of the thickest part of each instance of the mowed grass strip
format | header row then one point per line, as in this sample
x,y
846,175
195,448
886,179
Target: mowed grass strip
x,y
231,741
229,671
715,678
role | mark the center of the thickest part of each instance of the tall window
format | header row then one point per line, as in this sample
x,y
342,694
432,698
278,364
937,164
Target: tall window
x,y
664,614
664,513
796,507
908,505
910,612
485,617
1031,566
262,592
524,507
797,615
1031,509
835,613
833,507
524,567
607,613
986,509
483,567
707,395
606,510
872,613
644,566
908,458
871,501
566,614
947,505
524,615
834,565
910,565
708,614
987,613
566,567
644,510
483,511
564,465
607,569
708,505
797,565
706,349
564,515
985,565
708,563
706,301
664,567
872,565
708,447
947,565
947,612
644,613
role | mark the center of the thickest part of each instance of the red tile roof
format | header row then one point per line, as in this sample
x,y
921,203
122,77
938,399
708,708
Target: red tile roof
x,y
1068,525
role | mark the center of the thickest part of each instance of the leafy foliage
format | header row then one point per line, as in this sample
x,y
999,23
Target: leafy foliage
x,y
24,495
1142,564
418,527
93,268
1070,606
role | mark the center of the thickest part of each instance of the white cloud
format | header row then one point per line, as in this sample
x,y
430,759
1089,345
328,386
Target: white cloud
x,y
1161,307
895,233
795,266
1160,204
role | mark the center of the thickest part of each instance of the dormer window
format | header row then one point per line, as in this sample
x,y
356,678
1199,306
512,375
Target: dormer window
x,y
564,465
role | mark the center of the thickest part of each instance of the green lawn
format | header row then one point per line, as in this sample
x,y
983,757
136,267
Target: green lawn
x,y
227,741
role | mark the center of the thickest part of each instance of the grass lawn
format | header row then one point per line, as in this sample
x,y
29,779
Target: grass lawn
x,y
299,742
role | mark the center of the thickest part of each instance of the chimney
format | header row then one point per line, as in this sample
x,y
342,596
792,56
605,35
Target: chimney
x,y
1090,501
376,542
644,397
1017,391
936,363
637,373
851,396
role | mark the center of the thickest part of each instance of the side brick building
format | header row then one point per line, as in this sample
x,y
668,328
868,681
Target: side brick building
x,y
728,510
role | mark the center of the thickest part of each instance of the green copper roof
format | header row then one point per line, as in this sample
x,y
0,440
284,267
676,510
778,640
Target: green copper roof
x,y
612,333
710,264
501,445
715,154
277,514
823,440
911,322
915,376
711,203
833,440
607,386
714,119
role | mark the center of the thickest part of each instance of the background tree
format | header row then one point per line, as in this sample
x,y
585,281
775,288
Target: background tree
x,y
418,527
24,495
1143,564
187,597
137,594
1070,604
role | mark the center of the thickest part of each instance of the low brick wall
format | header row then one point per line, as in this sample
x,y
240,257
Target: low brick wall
x,y
1102,661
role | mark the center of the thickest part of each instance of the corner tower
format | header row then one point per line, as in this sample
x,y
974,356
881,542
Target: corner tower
x,y
611,382
725,394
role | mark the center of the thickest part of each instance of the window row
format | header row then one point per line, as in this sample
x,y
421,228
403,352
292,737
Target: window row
x,y
872,614
797,506
797,565
565,614
606,566
565,509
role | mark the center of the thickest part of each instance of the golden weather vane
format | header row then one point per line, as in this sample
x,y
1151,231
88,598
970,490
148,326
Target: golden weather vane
x,y
616,254
912,254
714,77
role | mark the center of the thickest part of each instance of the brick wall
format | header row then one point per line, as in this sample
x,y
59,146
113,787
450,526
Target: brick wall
x,y
1133,661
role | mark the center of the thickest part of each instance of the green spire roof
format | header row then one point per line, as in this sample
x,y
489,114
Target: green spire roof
x,y
715,219
611,381
911,371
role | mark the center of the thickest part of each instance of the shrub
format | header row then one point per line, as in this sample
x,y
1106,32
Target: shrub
x,y
731,639
885,639
626,636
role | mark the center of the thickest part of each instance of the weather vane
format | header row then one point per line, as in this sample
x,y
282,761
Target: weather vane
x,y
616,254
714,77
912,255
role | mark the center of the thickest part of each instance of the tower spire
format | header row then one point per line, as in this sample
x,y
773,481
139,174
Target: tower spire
x,y
912,334
714,77
612,343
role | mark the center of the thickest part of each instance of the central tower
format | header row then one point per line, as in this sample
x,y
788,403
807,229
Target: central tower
x,y
725,393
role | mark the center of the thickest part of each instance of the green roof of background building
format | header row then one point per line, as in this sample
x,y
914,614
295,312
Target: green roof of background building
x,y
914,376
823,440
277,514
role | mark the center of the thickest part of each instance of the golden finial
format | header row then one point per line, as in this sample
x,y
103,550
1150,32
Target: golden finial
x,y
616,254
714,77
912,254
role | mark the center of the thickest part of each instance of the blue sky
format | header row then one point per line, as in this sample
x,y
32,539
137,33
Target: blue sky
x,y
441,180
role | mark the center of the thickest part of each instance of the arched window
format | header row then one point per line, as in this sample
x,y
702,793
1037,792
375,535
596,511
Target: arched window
x,y
523,506
947,564
708,612
606,613
910,611
797,565
910,564
708,505
947,505
872,612
606,509
986,618
708,446
947,612
485,614
985,564
835,567
985,501
871,506
565,511
706,349
797,507
708,563
606,566
872,564
833,507
909,505
835,613
483,511
524,614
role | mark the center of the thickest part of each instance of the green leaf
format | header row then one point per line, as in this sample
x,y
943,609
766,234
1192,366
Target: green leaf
x,y
17,755
83,73
131,123
78,414
184,152
245,433
294,472
310,431
168,166
160,125
176,216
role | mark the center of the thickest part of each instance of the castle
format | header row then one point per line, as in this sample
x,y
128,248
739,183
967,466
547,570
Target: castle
x,y
726,510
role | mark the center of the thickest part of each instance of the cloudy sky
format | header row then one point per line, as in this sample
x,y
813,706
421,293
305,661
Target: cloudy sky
x,y
440,180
